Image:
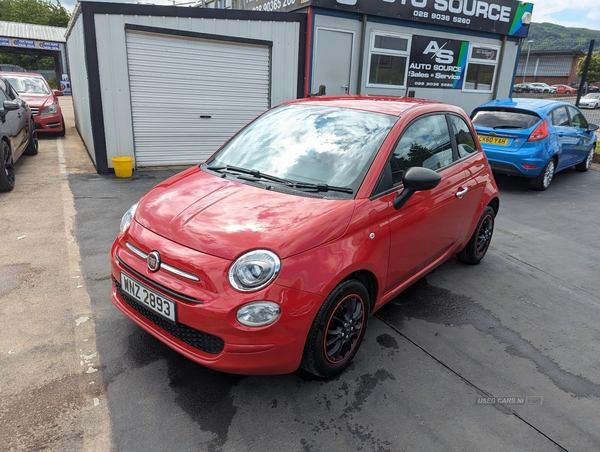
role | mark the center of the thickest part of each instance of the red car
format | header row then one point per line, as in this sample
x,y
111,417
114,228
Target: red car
x,y
274,253
42,100
565,89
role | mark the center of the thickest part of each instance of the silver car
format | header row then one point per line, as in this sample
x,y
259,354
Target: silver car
x,y
591,100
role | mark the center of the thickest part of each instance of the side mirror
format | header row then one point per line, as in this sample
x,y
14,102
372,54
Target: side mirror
x,y
592,127
58,92
416,179
10,105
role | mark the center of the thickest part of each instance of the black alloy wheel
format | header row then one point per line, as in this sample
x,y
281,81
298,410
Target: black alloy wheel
x,y
338,330
7,168
32,146
480,241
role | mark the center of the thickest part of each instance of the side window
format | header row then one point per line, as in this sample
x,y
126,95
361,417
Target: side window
x,y
464,139
559,117
7,90
2,98
577,118
426,142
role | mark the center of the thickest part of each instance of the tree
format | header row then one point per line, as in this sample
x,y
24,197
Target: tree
x,y
593,73
40,12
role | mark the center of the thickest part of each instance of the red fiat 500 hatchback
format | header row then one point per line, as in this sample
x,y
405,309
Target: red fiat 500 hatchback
x,y
273,253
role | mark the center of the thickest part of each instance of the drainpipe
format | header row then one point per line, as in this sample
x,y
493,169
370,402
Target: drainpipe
x,y
501,63
361,54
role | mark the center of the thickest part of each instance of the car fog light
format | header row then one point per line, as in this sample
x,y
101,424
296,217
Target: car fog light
x,y
258,313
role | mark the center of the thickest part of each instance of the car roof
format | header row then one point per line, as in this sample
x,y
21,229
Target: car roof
x,y
390,105
524,103
20,74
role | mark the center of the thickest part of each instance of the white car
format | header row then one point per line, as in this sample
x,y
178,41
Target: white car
x,y
591,100
543,88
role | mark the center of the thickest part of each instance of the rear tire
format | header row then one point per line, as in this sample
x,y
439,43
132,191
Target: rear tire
x,y
7,168
542,182
337,331
587,163
480,240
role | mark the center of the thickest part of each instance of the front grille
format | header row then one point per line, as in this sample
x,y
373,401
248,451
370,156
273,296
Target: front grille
x,y
34,111
197,339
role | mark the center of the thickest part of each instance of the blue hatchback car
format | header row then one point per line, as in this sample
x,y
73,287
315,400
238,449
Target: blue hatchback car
x,y
534,138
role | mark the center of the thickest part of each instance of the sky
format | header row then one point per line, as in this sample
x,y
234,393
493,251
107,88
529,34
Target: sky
x,y
569,13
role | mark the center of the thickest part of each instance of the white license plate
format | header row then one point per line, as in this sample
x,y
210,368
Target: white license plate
x,y
148,298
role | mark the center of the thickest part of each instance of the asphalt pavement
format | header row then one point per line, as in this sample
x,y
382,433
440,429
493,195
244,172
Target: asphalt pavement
x,y
502,356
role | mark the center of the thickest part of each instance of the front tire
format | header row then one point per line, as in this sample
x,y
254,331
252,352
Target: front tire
x,y
542,182
64,130
337,331
32,146
480,240
7,168
587,163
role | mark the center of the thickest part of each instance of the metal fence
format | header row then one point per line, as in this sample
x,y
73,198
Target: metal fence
x,y
555,64
592,115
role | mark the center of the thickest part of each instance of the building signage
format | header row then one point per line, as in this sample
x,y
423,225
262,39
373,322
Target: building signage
x,y
506,17
29,44
24,43
49,45
437,63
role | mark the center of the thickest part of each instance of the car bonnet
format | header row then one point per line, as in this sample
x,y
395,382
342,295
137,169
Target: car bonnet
x,y
225,218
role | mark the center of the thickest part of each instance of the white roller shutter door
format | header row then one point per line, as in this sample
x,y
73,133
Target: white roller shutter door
x,y
188,96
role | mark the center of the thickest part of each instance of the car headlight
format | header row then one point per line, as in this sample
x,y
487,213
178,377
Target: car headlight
x,y
258,313
128,218
50,110
254,270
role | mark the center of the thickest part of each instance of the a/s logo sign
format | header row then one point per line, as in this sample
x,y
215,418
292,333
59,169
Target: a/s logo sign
x,y
441,56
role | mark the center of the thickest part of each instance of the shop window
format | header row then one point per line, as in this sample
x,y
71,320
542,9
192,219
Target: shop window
x,y
481,68
388,59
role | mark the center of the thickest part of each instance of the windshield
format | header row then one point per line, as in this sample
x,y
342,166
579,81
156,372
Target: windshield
x,y
311,144
29,85
592,96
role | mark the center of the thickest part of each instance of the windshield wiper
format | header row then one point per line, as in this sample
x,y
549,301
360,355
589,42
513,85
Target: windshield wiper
x,y
288,183
319,187
254,173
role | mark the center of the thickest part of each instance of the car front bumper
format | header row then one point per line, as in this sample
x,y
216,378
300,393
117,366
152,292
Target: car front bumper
x,y
49,123
207,331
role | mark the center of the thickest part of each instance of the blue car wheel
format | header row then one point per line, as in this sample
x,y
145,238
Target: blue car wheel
x,y
542,182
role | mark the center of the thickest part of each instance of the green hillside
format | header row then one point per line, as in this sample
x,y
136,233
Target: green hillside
x,y
547,36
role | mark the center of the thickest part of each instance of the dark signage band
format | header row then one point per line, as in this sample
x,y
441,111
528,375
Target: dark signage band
x,y
505,17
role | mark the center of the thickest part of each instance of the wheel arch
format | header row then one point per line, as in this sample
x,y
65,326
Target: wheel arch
x,y
495,204
369,280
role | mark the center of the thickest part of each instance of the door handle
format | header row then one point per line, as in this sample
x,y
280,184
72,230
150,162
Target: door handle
x,y
461,193
345,88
